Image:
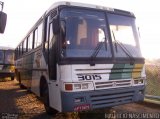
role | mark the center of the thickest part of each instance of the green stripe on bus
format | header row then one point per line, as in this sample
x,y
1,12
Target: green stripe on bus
x,y
121,71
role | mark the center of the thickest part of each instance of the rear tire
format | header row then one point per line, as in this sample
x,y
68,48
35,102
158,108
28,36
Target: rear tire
x,y
19,80
12,78
45,98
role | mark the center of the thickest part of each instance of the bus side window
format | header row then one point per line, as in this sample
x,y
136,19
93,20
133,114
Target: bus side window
x,y
52,54
9,57
1,56
38,36
46,41
20,50
30,41
48,23
50,46
24,46
52,49
15,52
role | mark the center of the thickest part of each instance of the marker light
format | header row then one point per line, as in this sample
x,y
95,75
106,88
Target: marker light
x,y
78,86
139,81
68,87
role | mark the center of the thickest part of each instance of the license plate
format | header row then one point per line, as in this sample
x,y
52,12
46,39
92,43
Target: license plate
x,y
82,107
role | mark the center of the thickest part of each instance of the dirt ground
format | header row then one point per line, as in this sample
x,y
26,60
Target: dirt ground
x,y
16,103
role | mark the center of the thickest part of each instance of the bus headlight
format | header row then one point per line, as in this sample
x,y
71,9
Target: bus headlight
x,y
77,86
85,86
139,81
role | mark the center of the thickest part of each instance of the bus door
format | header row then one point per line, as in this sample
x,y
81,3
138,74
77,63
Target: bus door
x,y
51,60
50,49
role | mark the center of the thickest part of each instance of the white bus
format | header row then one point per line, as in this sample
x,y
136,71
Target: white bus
x,y
82,57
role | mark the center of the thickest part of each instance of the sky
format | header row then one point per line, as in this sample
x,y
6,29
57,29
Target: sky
x,y
22,14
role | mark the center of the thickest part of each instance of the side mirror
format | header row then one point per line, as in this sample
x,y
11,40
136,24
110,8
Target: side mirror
x,y
56,26
3,19
139,32
63,27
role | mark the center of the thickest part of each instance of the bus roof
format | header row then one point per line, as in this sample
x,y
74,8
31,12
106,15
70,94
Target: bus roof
x,y
67,3
6,48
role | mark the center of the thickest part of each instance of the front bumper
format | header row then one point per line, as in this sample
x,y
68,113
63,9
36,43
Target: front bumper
x,y
6,74
101,98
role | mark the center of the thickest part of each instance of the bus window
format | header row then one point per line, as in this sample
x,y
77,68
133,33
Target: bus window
x,y
84,32
1,56
123,30
47,32
9,57
50,35
101,35
52,54
30,42
24,46
7,63
38,36
20,49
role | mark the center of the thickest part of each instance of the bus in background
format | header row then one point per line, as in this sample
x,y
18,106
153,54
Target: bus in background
x,y
82,57
7,63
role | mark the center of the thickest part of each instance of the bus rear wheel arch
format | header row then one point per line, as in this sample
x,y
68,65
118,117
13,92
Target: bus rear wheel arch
x,y
12,78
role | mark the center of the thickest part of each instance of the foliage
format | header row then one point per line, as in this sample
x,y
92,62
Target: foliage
x,y
153,80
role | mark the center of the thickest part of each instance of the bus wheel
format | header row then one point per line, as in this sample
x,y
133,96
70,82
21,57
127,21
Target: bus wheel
x,y
12,78
20,84
45,98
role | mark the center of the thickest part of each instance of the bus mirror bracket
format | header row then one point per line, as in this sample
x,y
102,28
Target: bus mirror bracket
x,y
56,26
3,19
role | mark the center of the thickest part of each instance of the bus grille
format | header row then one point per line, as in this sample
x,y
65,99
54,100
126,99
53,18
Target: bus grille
x,y
112,99
113,84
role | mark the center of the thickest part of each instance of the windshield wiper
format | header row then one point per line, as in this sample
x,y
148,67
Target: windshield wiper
x,y
96,51
125,50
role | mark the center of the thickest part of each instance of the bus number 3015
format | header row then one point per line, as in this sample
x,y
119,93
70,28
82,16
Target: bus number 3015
x,y
89,77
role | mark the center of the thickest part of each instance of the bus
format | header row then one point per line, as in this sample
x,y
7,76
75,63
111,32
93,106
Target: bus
x,y
81,57
7,63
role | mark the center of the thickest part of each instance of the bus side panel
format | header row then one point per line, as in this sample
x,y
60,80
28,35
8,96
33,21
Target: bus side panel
x,y
39,70
24,68
55,95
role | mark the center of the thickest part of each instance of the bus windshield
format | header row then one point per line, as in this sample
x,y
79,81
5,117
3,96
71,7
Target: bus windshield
x,y
9,57
6,57
124,36
83,31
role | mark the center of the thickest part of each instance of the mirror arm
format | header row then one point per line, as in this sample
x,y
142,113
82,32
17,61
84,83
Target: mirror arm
x,y
2,4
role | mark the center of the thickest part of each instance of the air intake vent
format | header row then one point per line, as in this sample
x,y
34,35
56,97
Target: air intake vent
x,y
113,84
